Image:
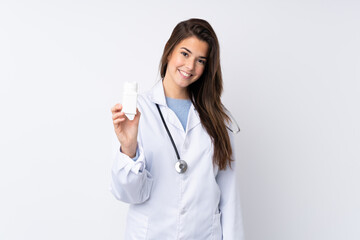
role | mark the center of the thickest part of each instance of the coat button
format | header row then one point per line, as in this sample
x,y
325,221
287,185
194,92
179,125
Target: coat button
x,y
186,144
183,211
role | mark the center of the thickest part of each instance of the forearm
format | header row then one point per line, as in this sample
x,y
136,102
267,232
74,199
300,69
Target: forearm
x,y
131,182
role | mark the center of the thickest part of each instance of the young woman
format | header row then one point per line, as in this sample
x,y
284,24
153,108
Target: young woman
x,y
175,164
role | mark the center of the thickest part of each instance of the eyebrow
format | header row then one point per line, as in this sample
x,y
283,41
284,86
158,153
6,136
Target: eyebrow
x,y
191,52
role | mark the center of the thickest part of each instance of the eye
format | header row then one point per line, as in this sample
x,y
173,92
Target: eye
x,y
185,54
202,61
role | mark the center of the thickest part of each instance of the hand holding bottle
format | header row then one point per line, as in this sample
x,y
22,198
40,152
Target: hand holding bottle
x,y
126,130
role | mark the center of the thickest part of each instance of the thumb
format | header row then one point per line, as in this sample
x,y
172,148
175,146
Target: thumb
x,y
137,116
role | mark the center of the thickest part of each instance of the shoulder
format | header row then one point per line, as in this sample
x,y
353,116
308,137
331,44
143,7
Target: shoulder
x,y
143,101
146,101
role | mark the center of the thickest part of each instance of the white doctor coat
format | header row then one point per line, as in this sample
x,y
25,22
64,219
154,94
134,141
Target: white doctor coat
x,y
200,204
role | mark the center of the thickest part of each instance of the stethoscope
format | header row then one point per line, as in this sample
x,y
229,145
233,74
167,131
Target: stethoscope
x,y
181,165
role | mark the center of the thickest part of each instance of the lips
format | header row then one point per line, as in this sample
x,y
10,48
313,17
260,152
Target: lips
x,y
185,74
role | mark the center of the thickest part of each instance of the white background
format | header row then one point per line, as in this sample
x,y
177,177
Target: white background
x,y
291,74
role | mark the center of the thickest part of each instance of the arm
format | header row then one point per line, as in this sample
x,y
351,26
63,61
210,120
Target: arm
x,y
131,182
229,206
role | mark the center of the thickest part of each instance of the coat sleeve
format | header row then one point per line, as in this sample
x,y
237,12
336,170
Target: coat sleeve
x,y
131,182
230,207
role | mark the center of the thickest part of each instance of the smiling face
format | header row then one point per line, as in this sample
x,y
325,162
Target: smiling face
x,y
185,65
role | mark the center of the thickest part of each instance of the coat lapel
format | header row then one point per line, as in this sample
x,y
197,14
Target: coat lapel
x,y
193,119
157,95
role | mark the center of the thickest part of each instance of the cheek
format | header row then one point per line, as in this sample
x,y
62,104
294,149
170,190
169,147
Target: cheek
x,y
200,70
178,62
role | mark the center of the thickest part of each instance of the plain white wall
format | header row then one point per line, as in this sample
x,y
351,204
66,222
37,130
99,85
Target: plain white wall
x,y
291,73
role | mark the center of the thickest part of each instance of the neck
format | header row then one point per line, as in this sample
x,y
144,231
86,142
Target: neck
x,y
173,91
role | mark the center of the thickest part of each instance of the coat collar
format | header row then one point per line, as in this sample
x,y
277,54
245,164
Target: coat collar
x,y
157,95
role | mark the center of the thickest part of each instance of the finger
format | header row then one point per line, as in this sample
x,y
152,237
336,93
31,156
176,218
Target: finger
x,y
119,120
113,108
116,112
116,108
118,115
138,114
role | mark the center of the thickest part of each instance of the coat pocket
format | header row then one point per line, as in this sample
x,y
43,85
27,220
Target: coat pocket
x,y
136,226
216,233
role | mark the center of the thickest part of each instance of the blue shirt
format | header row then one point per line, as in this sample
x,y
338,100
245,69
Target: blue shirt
x,y
180,107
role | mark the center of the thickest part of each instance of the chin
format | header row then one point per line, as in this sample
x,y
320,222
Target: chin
x,y
186,83
183,84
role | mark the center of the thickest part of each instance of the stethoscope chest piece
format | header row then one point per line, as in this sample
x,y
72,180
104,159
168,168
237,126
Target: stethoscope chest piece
x,y
181,166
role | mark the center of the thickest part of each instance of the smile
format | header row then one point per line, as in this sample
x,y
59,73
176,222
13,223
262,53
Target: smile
x,y
185,74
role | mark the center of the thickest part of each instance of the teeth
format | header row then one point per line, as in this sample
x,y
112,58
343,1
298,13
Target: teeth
x,y
185,74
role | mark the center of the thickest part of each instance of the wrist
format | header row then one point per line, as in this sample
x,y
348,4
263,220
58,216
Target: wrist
x,y
129,150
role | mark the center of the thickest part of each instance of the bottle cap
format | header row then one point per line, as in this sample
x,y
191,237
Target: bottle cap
x,y
131,87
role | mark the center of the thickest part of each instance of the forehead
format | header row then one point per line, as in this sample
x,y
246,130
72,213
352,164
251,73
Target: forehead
x,y
195,45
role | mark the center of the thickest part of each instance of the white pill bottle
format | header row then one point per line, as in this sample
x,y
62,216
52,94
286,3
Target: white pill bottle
x,y
129,99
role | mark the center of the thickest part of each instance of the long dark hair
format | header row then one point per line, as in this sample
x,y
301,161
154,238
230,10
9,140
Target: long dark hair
x,y
205,93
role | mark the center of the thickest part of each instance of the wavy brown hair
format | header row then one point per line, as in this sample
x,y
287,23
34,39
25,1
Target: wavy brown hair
x,y
205,93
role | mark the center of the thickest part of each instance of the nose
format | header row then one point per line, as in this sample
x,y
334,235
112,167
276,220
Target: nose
x,y
190,64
